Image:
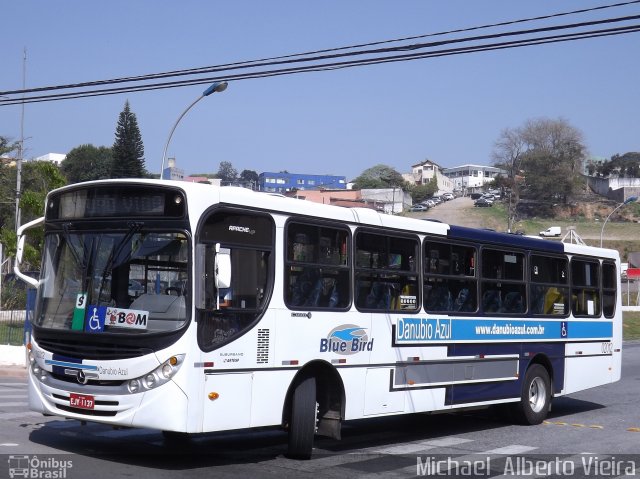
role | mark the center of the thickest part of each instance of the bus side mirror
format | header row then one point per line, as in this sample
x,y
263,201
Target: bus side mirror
x,y
20,251
222,271
213,272
223,267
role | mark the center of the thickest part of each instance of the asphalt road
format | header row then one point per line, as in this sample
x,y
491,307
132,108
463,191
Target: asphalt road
x,y
604,421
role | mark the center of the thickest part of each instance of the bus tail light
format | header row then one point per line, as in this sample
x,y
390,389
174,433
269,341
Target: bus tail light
x,y
213,396
158,376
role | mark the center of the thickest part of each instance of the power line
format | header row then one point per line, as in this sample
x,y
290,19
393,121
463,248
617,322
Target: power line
x,y
339,65
261,62
376,57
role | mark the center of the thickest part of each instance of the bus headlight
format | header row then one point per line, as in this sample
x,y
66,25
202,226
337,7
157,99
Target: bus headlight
x,y
158,376
149,381
134,386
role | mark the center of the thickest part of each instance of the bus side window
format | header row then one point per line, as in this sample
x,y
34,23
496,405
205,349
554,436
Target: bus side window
x,y
585,291
449,277
549,285
317,273
609,286
386,274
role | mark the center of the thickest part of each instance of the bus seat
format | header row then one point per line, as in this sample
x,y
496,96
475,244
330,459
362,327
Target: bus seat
x,y
552,296
513,303
379,296
334,299
307,288
538,300
439,299
464,301
491,302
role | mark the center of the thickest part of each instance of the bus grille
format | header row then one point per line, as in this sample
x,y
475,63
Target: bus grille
x,y
91,382
75,349
87,412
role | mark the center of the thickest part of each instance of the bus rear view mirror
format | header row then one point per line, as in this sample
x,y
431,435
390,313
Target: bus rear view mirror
x,y
223,267
222,271
20,251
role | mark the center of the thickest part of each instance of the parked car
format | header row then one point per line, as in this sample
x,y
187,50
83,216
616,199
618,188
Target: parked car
x,y
551,231
429,203
482,202
448,196
419,208
475,196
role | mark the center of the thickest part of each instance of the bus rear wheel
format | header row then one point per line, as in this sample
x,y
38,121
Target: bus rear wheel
x,y
536,396
302,424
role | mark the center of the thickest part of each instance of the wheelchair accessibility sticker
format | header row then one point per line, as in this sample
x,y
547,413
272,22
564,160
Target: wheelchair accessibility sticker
x,y
95,319
563,329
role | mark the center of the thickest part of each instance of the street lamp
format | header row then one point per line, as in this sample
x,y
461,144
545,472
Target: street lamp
x,y
218,86
631,199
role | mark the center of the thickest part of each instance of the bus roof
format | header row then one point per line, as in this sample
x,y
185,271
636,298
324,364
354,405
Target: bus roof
x,y
211,195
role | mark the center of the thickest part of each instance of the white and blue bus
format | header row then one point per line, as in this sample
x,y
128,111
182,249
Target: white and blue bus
x,y
190,308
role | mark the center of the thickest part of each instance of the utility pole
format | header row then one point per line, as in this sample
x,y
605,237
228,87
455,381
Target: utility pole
x,y
21,144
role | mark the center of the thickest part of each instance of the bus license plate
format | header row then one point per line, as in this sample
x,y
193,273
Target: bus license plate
x,y
82,401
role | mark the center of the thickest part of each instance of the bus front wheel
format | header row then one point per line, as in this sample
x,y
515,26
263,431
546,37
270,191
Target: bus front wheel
x,y
536,396
302,423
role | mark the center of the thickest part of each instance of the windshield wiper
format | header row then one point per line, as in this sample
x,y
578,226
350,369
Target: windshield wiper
x,y
67,238
134,228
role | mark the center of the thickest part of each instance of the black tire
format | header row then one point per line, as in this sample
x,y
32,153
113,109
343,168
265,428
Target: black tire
x,y
536,397
302,424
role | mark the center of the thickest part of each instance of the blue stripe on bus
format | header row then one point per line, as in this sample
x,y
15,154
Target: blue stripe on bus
x,y
65,362
504,239
437,330
71,365
479,392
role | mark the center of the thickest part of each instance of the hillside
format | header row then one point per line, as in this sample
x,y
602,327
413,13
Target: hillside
x,y
622,232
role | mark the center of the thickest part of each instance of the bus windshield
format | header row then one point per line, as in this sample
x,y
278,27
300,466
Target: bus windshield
x,y
128,282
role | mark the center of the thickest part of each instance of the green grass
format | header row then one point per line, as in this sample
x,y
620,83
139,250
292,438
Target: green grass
x,y
12,333
589,230
532,226
631,325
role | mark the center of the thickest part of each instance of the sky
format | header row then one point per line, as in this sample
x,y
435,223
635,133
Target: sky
x,y
450,110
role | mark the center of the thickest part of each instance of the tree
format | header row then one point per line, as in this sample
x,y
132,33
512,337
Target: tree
x,y
508,153
624,166
7,187
379,176
38,178
227,173
6,146
249,175
250,179
128,150
542,158
425,191
554,157
86,163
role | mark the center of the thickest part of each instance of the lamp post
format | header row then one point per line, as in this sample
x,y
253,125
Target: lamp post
x,y
218,86
631,199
